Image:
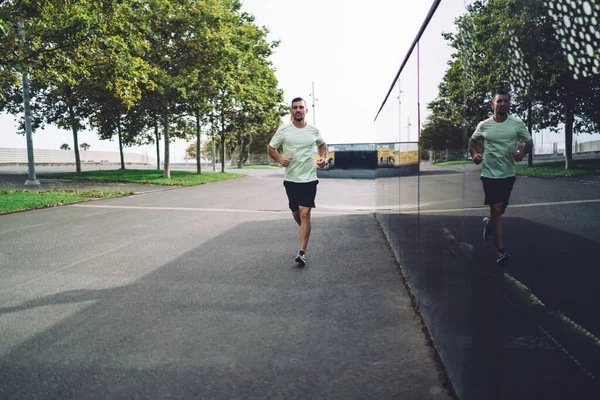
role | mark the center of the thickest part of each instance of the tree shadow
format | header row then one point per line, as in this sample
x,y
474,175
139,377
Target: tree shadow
x,y
235,318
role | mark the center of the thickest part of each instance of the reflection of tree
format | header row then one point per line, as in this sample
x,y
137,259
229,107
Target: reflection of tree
x,y
518,45
441,134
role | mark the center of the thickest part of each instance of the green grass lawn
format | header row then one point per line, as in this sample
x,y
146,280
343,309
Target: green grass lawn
x,y
550,170
557,169
455,162
153,176
18,200
262,166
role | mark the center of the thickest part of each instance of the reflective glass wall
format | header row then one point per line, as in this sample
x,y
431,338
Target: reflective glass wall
x,y
528,328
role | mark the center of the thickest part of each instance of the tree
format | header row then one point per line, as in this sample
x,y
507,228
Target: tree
x,y
65,146
248,98
71,47
181,33
84,146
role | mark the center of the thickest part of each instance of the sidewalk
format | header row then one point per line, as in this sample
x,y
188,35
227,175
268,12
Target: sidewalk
x,y
193,293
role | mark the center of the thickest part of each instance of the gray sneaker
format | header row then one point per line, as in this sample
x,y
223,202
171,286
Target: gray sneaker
x,y
487,235
502,257
301,259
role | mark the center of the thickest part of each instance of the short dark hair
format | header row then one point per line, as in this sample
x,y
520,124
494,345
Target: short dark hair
x,y
501,92
298,99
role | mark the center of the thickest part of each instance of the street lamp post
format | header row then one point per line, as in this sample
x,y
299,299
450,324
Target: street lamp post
x,y
399,112
214,165
313,102
32,181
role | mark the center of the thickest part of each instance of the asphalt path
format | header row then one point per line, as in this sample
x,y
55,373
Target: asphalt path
x,y
193,293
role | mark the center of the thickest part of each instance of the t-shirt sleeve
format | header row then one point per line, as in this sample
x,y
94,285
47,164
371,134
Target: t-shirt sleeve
x,y
276,140
319,139
523,133
477,135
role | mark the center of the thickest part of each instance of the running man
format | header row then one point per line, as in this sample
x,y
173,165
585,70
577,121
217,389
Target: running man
x,y
298,139
500,135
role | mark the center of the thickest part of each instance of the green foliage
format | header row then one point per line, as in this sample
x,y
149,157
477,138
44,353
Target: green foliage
x,y
124,67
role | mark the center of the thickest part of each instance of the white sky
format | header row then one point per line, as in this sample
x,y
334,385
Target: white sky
x,y
351,51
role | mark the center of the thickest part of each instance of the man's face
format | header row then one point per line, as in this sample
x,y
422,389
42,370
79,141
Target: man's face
x,y
501,104
298,110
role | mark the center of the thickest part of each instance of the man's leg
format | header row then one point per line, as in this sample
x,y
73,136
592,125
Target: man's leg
x,y
304,226
296,215
495,223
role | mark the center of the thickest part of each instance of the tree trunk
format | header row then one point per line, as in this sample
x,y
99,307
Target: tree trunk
x,y
529,125
121,145
167,170
157,136
241,160
75,139
198,144
569,120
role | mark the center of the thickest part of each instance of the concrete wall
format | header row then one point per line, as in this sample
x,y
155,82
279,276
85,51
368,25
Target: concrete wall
x,y
19,156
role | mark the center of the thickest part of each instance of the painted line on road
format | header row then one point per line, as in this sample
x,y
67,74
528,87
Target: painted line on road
x,y
485,208
347,209
228,210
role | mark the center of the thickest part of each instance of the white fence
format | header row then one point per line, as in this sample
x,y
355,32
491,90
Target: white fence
x,y
559,148
19,156
587,147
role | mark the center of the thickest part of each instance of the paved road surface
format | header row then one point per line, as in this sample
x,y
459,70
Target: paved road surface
x,y
193,293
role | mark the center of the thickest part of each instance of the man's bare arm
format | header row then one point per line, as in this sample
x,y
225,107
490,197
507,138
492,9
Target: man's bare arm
x,y
322,160
519,155
274,154
474,149
527,147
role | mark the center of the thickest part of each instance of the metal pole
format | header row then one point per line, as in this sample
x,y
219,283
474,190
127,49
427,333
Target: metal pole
x,y
32,181
213,153
418,92
313,103
399,112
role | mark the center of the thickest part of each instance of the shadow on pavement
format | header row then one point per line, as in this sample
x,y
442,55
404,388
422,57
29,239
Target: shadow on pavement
x,y
235,318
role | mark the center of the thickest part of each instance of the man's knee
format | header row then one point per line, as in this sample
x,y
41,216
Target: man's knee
x,y
304,212
497,209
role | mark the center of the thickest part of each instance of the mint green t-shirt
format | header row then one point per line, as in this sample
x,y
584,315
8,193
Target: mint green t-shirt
x,y
298,143
499,142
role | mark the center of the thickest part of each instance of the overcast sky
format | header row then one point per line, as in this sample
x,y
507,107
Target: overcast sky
x,y
350,50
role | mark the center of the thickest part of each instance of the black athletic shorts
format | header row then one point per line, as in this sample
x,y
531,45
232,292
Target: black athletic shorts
x,y
301,194
497,190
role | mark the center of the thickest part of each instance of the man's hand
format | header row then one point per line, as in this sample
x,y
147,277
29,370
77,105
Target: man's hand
x,y
518,156
321,162
285,161
477,158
